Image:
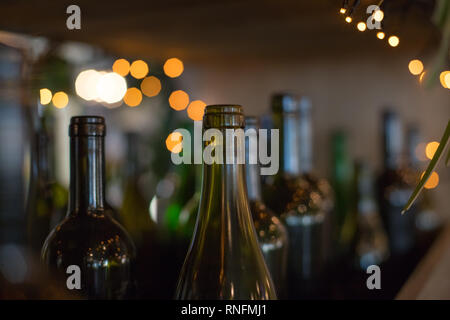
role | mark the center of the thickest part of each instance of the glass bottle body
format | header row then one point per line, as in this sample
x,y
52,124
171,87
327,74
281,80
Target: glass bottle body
x,y
224,260
89,238
271,232
394,189
47,199
300,199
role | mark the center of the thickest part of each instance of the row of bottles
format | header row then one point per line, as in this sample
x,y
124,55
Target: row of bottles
x,y
222,234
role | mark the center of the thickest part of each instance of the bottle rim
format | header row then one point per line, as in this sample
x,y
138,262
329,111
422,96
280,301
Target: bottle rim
x,y
87,126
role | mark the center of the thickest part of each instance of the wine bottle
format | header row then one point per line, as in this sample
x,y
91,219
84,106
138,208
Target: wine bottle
x,y
345,218
224,260
47,199
371,245
134,213
188,215
394,189
185,178
272,234
298,197
89,238
136,220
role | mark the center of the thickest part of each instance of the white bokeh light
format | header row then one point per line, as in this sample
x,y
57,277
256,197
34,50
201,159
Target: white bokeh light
x,y
111,87
86,84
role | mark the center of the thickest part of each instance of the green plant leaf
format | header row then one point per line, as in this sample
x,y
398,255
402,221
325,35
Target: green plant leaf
x,y
448,158
431,166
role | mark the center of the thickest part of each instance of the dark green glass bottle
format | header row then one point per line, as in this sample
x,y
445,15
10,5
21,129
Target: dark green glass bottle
x,y
394,189
299,198
345,218
224,260
47,199
272,234
89,237
188,215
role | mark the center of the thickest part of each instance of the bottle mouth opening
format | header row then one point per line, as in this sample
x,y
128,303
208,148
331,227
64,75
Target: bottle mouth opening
x,y
87,126
223,109
223,116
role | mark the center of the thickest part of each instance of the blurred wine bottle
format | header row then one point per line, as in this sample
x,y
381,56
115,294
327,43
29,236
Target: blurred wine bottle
x,y
345,218
224,260
188,215
134,213
299,198
14,142
427,220
371,245
47,199
185,179
272,234
135,218
89,237
394,189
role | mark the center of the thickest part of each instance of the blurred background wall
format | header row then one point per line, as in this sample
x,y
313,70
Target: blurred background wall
x,y
348,91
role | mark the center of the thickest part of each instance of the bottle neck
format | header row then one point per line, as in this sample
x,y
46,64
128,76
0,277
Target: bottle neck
x,y
42,154
295,142
132,167
224,195
305,141
364,192
413,141
392,143
87,174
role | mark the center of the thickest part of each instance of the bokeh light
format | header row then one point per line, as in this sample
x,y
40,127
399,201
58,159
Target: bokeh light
x,y
447,80
378,15
433,180
151,86
431,148
415,67
121,66
442,79
173,67
348,19
393,41
343,10
111,87
380,35
178,100
86,84
361,26
45,96
133,97
60,99
196,109
174,142
139,69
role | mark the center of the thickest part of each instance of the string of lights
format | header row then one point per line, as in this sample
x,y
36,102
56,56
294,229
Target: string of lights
x,y
374,22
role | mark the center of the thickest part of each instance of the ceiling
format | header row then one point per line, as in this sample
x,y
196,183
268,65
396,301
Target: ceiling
x,y
211,30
